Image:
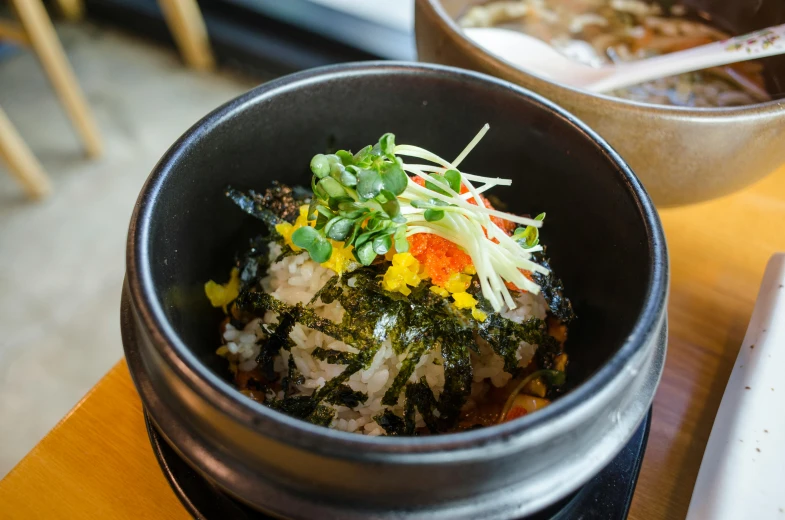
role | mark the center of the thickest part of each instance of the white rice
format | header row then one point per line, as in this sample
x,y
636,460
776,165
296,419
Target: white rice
x,y
296,279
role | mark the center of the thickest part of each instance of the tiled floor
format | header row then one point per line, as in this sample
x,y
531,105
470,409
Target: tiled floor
x,y
62,260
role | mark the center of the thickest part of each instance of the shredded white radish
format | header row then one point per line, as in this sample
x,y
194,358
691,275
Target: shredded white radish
x,y
495,255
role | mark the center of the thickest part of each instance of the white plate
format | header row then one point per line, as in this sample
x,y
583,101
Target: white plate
x,y
743,470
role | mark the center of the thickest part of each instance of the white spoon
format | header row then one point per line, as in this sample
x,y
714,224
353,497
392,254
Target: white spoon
x,y
533,55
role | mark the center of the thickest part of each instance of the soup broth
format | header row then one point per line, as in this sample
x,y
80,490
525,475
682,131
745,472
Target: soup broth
x,y
599,32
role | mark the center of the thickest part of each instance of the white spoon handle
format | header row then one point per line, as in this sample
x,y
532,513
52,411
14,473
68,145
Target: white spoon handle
x,y
759,44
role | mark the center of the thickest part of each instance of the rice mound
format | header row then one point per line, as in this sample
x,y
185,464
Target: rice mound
x,y
296,279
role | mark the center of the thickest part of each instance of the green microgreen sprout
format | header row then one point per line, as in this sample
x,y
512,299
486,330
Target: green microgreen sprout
x,y
529,236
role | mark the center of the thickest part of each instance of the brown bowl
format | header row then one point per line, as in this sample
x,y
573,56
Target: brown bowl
x,y
682,155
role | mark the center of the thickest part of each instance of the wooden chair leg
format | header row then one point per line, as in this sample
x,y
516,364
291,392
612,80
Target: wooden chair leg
x,y
71,9
44,41
187,26
21,162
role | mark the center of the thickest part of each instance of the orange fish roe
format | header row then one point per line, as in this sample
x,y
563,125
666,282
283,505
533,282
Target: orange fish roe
x,y
506,225
440,257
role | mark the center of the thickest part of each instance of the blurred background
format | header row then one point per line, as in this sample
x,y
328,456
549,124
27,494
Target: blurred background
x,y
92,92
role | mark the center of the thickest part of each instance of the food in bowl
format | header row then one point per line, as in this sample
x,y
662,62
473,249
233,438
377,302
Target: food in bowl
x,y
624,30
393,299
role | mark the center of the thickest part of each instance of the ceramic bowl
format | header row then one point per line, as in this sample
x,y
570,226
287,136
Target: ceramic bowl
x,y
682,155
604,239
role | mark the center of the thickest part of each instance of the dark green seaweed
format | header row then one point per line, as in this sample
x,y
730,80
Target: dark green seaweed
x,y
277,204
305,408
271,347
416,350
345,396
392,424
504,337
553,291
334,357
292,379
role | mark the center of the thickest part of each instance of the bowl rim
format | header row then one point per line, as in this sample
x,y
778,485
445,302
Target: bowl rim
x,y
291,431
772,106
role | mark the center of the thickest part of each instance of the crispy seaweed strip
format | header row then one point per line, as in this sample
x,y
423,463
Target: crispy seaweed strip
x,y
274,343
292,379
251,203
321,415
409,415
362,360
391,423
345,396
328,293
457,375
500,335
547,351
303,407
334,357
254,263
285,251
415,352
259,302
505,335
277,204
421,395
553,291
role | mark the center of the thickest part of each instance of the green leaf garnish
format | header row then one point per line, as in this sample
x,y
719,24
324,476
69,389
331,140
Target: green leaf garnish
x,y
432,215
369,184
312,241
401,244
394,179
453,178
433,187
320,166
339,228
362,239
366,254
332,187
387,145
348,178
382,244
346,157
529,236
392,208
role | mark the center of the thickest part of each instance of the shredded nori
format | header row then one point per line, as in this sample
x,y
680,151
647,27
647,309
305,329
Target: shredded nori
x,y
419,344
292,379
505,336
392,424
553,291
345,396
274,343
277,204
334,357
305,408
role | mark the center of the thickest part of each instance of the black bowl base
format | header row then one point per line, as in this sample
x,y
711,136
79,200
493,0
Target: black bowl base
x,y
606,497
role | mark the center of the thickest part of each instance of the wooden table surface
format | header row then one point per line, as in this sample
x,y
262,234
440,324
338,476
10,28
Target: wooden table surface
x,y
97,463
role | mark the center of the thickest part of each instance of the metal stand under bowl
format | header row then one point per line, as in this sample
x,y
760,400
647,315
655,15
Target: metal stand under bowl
x,y
605,497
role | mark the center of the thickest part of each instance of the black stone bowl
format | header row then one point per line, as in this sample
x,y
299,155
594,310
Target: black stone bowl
x,y
602,232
